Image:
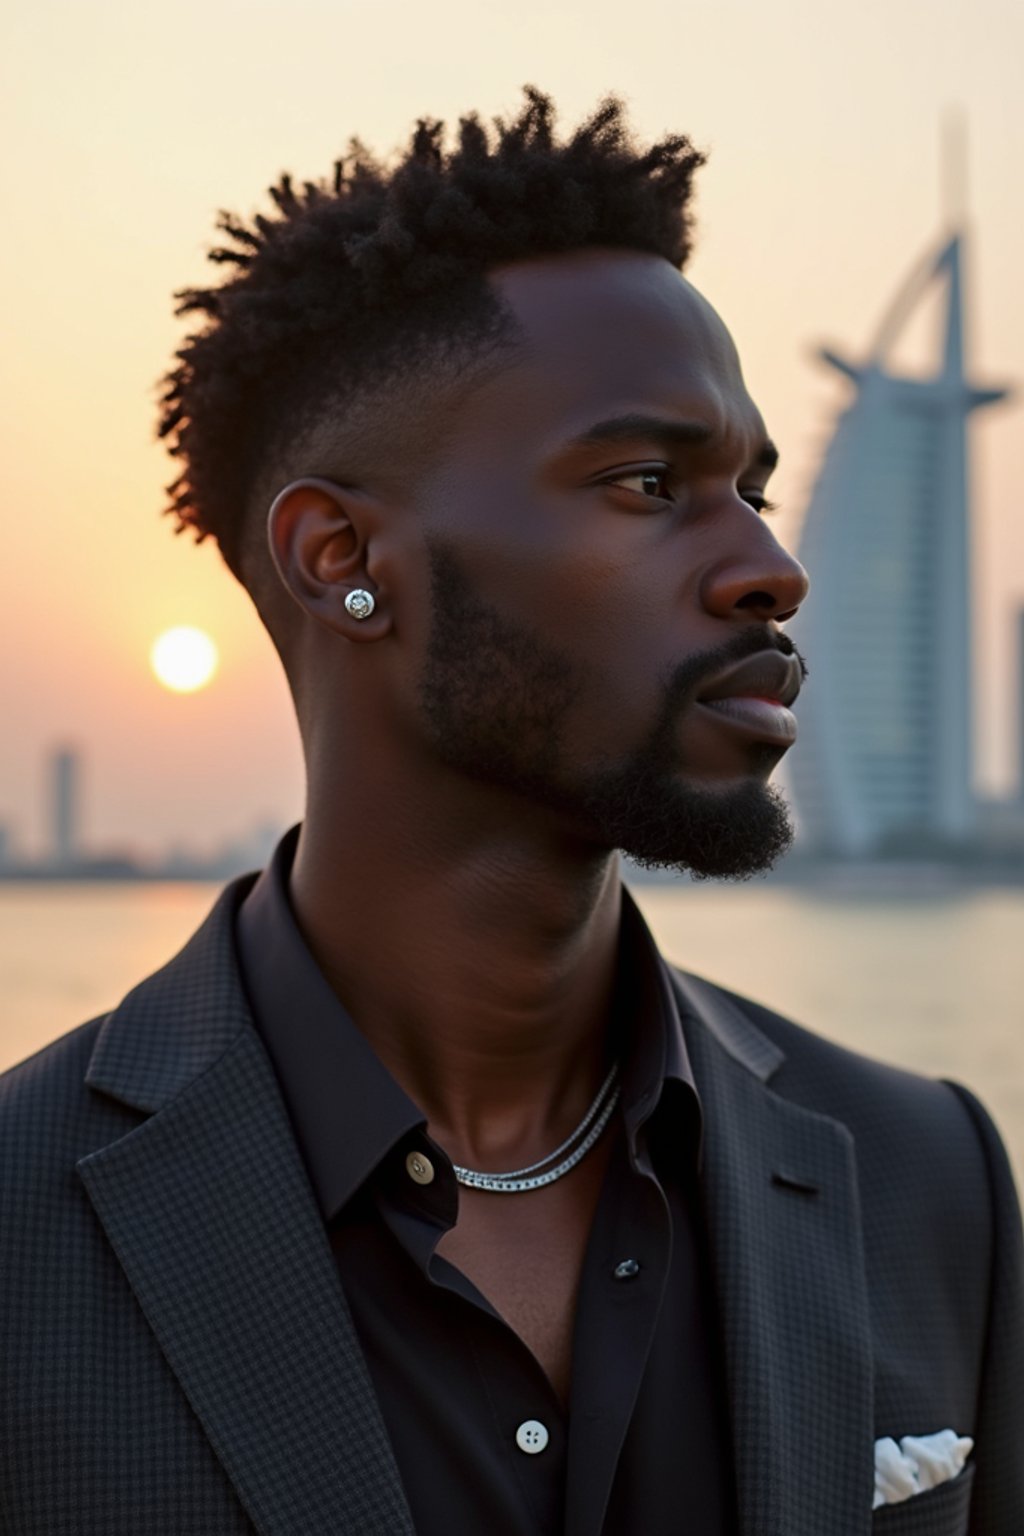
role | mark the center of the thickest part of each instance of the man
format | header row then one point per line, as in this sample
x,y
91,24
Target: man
x,y
418,1192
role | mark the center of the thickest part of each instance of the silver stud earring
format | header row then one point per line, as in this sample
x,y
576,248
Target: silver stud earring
x,y
360,604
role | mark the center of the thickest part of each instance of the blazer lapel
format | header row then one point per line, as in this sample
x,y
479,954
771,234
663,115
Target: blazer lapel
x,y
783,1215
210,1212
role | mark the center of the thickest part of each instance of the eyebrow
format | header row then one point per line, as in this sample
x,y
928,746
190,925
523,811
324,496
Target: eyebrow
x,y
659,429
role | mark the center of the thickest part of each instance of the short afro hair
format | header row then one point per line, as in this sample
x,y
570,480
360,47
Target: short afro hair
x,y
349,279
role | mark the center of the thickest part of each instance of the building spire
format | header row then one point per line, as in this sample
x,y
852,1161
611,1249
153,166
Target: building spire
x,y
953,168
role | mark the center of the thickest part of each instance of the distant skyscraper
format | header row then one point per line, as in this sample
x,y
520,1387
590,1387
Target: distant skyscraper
x,y
65,807
884,755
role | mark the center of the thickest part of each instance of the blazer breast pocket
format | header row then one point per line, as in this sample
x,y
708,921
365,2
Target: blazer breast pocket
x,y
942,1511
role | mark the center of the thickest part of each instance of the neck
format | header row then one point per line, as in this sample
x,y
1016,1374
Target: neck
x,y
477,961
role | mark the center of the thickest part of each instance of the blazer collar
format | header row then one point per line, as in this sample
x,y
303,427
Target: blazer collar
x,y
211,1213
709,1008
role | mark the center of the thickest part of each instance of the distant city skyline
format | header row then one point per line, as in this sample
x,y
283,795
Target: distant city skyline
x,y
70,853
68,850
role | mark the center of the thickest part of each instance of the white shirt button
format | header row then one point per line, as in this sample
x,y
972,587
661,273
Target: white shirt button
x,y
531,1437
419,1168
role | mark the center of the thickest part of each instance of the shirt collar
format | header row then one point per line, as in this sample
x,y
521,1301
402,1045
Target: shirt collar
x,y
652,1044
347,1110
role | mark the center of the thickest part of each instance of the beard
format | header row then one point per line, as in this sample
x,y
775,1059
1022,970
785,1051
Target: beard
x,y
496,699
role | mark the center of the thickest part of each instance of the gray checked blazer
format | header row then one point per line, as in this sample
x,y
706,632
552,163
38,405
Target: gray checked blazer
x,y
177,1354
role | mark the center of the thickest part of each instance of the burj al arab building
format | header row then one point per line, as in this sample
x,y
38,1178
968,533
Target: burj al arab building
x,y
883,761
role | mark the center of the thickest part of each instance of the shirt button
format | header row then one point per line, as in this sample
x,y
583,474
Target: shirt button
x,y
419,1168
531,1437
626,1270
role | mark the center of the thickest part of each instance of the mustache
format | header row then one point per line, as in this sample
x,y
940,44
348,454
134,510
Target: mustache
x,y
684,680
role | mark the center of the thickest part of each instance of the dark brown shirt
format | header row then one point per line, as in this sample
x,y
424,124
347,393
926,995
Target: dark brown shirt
x,y
644,1448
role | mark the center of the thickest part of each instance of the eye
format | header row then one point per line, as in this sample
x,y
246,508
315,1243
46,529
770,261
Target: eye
x,y
652,482
759,501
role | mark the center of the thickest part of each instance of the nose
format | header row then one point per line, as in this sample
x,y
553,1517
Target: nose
x,y
754,575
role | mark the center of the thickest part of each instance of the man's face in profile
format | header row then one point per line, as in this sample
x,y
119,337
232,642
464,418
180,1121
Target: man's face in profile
x,y
597,560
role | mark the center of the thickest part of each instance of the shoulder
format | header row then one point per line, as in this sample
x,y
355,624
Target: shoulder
x,y
822,1075
50,1076
48,1120
160,1033
50,1117
924,1136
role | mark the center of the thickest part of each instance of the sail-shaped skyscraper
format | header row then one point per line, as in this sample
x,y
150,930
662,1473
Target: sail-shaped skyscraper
x,y
884,756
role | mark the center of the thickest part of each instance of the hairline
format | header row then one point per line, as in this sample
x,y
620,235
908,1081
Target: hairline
x,y
460,360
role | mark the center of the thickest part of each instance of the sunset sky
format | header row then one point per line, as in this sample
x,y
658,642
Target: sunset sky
x,y
127,126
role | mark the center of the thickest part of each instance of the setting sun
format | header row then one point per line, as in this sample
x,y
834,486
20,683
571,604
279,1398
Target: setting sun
x,y
184,659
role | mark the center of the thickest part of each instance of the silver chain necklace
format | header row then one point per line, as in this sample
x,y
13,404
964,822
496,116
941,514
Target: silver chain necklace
x,y
600,1112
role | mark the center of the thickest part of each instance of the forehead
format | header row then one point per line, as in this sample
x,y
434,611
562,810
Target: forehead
x,y
609,332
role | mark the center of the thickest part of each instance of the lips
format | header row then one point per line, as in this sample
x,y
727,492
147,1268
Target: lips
x,y
750,700
768,675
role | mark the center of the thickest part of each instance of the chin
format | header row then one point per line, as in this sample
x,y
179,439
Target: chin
x,y
725,830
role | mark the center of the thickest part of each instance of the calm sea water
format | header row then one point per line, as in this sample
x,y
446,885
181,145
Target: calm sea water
x,y
934,983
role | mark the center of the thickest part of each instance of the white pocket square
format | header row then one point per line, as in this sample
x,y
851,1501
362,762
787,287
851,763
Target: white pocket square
x,y
918,1463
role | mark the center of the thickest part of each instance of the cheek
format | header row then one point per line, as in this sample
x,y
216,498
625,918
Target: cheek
x,y
622,641
589,604
549,567
599,586
613,600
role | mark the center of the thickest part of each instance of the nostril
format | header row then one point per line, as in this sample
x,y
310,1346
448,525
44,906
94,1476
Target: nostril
x,y
757,600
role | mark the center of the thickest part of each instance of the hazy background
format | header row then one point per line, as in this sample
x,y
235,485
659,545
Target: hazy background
x,y
126,127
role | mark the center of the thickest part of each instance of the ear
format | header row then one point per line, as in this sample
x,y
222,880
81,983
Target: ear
x,y
319,534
